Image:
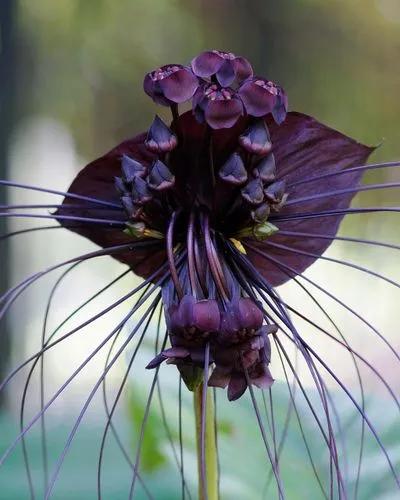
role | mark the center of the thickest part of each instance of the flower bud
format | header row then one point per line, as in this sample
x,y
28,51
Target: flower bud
x,y
233,170
160,138
261,213
120,186
160,178
170,84
218,106
226,67
275,192
131,169
256,139
266,168
252,192
261,97
140,191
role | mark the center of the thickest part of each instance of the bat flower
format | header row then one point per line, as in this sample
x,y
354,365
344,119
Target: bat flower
x,y
215,210
224,67
170,84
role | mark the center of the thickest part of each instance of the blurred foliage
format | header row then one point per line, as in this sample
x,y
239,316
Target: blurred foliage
x,y
84,61
245,462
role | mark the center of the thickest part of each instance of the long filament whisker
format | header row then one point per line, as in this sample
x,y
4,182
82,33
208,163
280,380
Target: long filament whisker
x,y
61,193
363,168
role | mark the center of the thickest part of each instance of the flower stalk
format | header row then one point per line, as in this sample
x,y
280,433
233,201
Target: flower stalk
x,y
207,454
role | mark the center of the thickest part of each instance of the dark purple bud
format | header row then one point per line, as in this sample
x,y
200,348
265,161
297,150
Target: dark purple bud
x,y
260,96
160,178
243,314
275,192
266,168
256,139
227,67
132,169
233,170
252,192
128,204
140,191
170,84
237,386
156,361
120,186
218,106
160,139
261,213
203,315
250,315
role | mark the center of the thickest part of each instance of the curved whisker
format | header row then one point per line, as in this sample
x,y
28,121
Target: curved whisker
x,y
60,461
107,222
87,322
110,412
334,213
363,168
293,272
143,426
340,238
335,261
339,192
61,193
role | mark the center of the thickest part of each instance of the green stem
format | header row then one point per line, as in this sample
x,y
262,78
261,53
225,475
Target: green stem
x,y
208,488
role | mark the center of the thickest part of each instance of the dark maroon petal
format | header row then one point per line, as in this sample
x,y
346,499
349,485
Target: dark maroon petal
x,y
257,100
179,86
304,148
237,386
243,69
263,380
223,113
97,180
207,64
219,378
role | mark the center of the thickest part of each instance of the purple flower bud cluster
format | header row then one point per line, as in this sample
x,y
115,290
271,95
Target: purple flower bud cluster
x,y
222,88
240,349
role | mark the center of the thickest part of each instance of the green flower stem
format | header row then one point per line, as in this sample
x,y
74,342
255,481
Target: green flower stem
x,y
209,490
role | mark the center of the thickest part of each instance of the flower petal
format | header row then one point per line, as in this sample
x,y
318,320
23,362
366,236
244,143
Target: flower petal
x,y
305,148
207,64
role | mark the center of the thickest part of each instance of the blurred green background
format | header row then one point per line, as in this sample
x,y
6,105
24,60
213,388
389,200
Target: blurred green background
x,y
71,88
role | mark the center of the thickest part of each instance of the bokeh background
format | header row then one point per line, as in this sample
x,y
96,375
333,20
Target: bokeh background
x,y
71,88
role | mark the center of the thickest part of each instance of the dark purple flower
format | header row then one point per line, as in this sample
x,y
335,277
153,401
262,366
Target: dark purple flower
x,y
261,97
225,66
218,106
170,84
